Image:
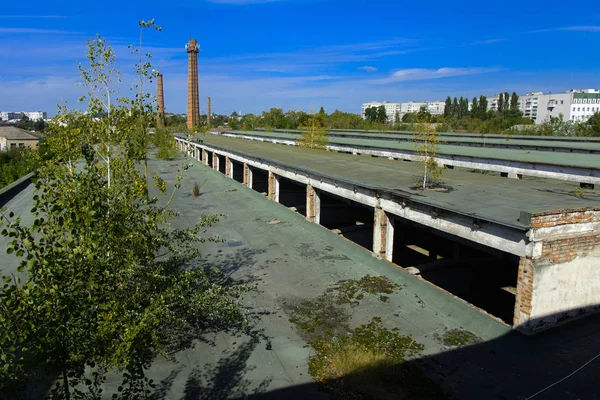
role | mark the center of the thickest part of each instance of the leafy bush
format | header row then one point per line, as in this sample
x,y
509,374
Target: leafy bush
x,y
16,163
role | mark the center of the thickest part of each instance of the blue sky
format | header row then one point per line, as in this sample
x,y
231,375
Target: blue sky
x,y
305,54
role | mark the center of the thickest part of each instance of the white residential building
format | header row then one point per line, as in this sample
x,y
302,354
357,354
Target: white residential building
x,y
390,108
573,105
412,107
584,104
433,107
436,107
15,115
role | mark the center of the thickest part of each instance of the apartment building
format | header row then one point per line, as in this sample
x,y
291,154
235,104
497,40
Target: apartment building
x,y
390,108
433,107
573,105
16,115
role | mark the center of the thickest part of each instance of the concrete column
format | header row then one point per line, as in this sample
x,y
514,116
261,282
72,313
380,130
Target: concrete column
x,y
383,235
204,157
215,161
228,168
247,176
273,187
313,205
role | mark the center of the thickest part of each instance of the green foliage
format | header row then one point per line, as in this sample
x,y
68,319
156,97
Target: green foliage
x,y
175,121
17,163
274,118
426,147
165,144
376,114
105,282
589,128
313,135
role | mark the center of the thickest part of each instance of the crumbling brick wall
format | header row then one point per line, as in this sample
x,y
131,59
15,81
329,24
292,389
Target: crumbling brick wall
x,y
562,280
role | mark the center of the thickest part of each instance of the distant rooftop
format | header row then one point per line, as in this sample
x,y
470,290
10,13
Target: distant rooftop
x,y
13,133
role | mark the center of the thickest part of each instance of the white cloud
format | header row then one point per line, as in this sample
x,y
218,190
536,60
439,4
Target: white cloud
x,y
34,30
34,16
581,28
578,28
419,74
368,68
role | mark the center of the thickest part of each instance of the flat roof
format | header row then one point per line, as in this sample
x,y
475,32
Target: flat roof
x,y
14,133
485,197
576,160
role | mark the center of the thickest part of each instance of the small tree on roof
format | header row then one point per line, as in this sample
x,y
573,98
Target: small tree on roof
x,y
313,135
427,146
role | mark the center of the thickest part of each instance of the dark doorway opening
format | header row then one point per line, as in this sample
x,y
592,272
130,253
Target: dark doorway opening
x,y
222,164
237,171
481,275
348,218
293,195
260,180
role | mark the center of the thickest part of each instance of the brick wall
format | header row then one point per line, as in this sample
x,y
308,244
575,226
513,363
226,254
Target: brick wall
x,y
564,217
563,281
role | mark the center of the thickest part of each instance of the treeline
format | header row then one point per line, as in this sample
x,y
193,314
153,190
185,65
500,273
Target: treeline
x,y
458,116
276,118
31,125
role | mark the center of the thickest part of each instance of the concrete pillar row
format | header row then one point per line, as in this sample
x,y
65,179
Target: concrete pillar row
x,y
273,187
228,167
247,176
313,204
383,234
215,164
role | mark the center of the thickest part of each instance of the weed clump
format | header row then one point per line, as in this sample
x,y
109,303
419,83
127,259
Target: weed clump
x,y
459,338
367,362
196,191
352,290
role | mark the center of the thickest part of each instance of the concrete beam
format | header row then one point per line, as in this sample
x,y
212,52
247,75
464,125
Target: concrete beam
x,y
313,204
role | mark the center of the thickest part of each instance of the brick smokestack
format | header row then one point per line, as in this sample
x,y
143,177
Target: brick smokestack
x,y
193,112
208,115
160,118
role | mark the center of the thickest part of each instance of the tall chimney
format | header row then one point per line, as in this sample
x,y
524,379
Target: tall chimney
x,y
193,112
208,115
160,118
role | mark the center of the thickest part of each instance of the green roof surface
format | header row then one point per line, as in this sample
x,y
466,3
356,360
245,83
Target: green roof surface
x,y
486,197
575,160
